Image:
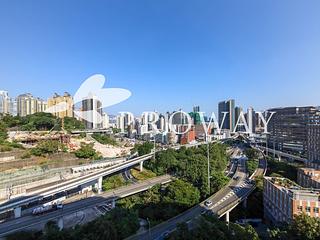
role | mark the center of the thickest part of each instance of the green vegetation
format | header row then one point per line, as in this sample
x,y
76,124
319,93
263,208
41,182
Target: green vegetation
x,y
251,153
104,139
283,169
209,227
117,224
3,131
191,165
5,145
252,165
71,124
144,175
41,122
182,194
253,161
116,130
113,182
47,147
143,149
302,227
159,204
87,151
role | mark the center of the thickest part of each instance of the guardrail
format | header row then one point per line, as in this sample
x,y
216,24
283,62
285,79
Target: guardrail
x,y
230,207
74,183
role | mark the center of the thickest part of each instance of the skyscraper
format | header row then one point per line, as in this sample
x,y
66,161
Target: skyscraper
x,y
57,99
289,130
28,104
228,107
7,105
92,112
237,112
196,109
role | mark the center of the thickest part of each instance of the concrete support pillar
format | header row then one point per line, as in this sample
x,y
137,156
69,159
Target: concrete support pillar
x,y
99,185
113,203
228,217
245,202
17,212
279,158
60,223
141,166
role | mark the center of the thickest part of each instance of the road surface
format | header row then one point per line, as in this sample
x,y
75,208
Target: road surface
x,y
29,222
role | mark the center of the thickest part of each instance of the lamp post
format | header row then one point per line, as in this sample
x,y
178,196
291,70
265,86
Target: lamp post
x,y
208,156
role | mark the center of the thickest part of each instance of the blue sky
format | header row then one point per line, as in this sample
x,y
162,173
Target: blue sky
x,y
171,53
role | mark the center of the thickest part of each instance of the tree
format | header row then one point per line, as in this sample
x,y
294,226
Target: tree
x,y
71,123
143,149
218,180
104,139
39,121
302,227
251,153
113,182
87,151
47,147
209,227
182,194
3,131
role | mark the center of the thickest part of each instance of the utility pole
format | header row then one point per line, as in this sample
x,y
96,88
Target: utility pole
x,y
208,155
267,152
154,147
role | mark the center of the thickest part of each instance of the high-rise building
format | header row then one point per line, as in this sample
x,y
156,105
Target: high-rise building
x,y
125,120
237,111
28,104
309,178
293,130
105,121
229,107
313,138
7,105
251,119
57,99
196,109
92,112
4,102
195,116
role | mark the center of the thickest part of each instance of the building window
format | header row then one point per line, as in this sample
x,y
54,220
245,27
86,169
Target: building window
x,y
300,208
316,210
308,209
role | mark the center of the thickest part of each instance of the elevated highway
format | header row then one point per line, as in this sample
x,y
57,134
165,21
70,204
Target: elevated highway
x,y
33,222
94,178
224,201
283,154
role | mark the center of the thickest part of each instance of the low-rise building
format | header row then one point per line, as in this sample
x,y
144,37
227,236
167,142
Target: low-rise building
x,y
283,199
309,178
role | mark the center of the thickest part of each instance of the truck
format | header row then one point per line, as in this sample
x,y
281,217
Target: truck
x,y
47,208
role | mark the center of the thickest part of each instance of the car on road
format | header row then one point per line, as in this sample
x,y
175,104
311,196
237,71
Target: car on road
x,y
166,235
236,178
208,203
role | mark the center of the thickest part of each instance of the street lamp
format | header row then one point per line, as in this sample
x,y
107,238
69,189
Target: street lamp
x,y
208,156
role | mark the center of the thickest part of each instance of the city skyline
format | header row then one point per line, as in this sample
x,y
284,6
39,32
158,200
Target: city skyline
x,y
200,55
